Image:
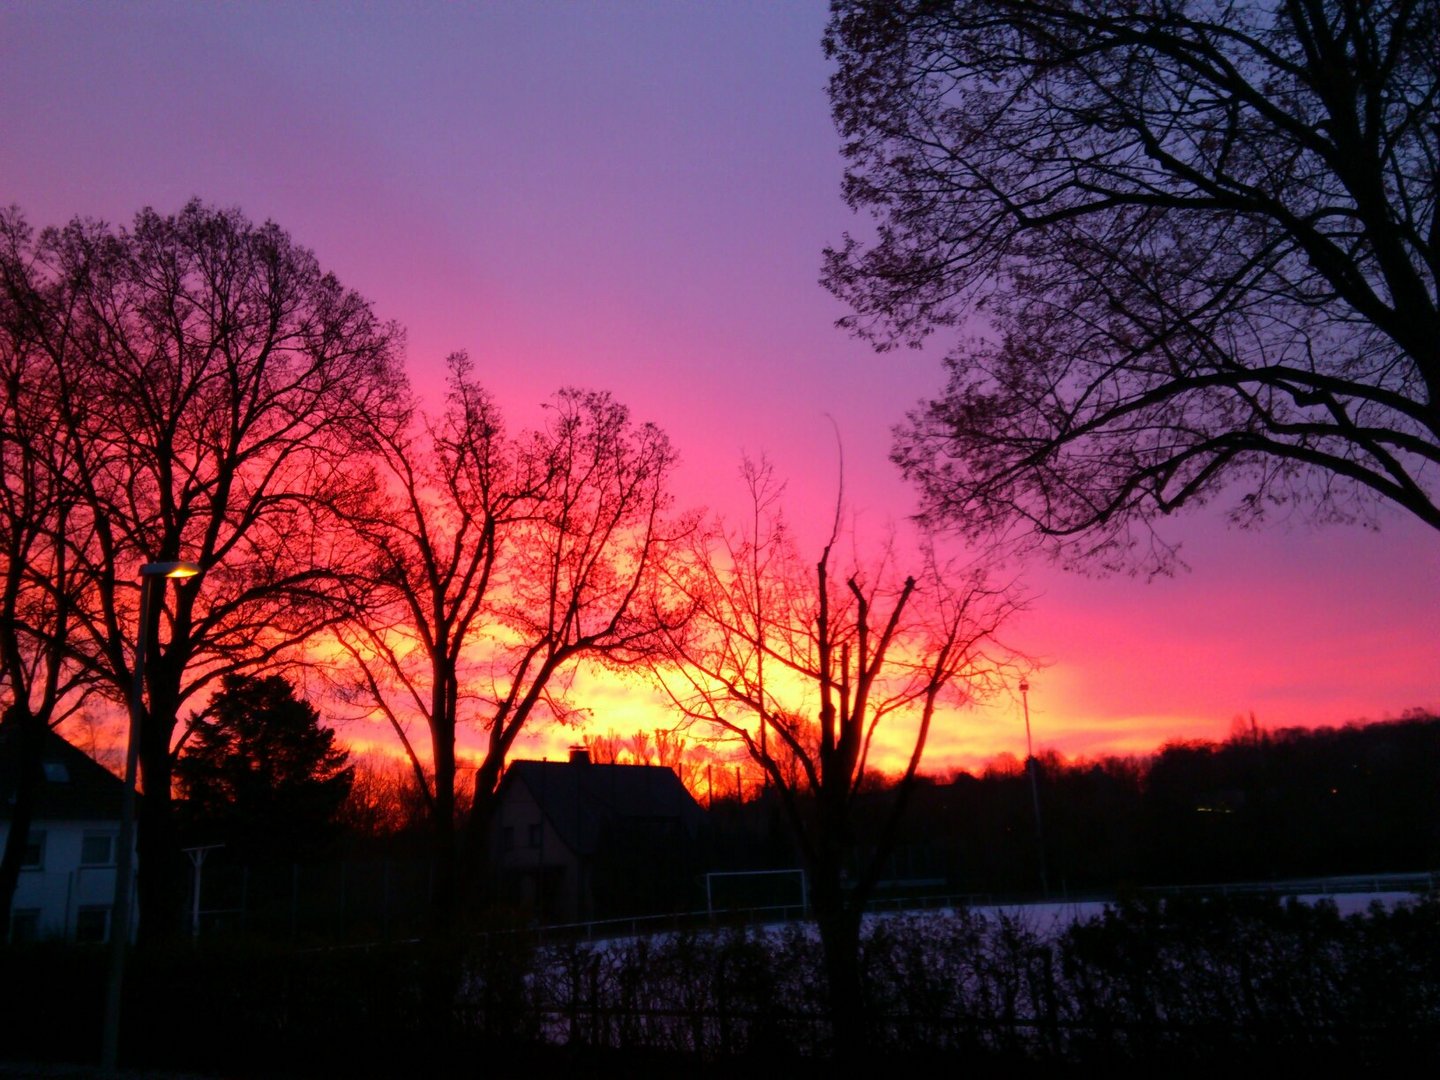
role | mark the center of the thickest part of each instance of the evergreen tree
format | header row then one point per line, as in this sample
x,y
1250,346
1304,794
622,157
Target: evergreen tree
x,y
260,774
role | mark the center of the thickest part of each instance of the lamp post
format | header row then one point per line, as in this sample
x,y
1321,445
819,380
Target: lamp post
x,y
152,577
1033,767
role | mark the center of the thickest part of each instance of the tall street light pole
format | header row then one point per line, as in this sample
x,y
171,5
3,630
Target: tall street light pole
x,y
152,578
1033,767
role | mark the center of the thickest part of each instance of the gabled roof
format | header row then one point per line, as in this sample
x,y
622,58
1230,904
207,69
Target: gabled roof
x,y
74,786
581,800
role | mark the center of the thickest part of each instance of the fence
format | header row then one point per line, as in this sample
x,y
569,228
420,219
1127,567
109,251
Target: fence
x,y
379,900
388,900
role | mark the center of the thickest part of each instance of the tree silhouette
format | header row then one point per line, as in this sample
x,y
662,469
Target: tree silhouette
x,y
502,562
216,389
260,774
803,665
1197,243
658,746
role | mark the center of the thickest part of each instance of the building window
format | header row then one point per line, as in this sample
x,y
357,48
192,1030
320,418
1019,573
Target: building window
x,y
24,925
97,849
34,857
507,838
56,772
533,836
92,925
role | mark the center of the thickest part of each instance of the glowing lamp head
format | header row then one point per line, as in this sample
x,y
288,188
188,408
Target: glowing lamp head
x,y
179,570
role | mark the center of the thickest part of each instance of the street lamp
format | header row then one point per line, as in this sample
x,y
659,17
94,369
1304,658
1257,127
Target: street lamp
x,y
1033,767
152,577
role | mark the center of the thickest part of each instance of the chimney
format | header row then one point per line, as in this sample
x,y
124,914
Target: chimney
x,y
579,755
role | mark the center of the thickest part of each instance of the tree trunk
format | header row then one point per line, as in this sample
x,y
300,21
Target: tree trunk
x,y
162,880
837,917
839,927
476,872
444,900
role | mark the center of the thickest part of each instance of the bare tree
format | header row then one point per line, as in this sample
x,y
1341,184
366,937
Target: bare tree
x,y
458,492
1198,240
607,749
659,746
805,685
505,561
383,800
216,387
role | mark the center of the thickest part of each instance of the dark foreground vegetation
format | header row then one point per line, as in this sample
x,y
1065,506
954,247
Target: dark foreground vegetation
x,y
1179,983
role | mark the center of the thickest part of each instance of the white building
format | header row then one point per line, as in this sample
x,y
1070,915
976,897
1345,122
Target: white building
x,y
67,878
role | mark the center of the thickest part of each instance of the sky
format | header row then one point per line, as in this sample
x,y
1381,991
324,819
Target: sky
x,y
634,197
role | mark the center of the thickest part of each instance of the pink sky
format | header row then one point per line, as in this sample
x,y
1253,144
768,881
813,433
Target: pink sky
x,y
634,197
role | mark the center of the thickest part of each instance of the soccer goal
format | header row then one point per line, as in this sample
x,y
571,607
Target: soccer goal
x,y
756,890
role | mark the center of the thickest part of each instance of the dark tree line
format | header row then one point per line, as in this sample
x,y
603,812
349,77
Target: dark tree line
x,y
1262,806
1362,799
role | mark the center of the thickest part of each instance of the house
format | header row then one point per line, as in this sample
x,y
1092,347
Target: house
x,y
67,879
573,840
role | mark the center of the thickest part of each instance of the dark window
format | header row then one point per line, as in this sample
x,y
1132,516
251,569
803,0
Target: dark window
x,y
97,849
92,925
56,772
507,838
34,857
534,835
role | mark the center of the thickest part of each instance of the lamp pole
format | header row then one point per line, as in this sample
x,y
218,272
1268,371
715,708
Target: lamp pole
x,y
152,577
1033,767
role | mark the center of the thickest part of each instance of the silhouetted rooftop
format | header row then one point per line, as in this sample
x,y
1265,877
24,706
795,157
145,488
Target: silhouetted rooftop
x,y
74,787
579,799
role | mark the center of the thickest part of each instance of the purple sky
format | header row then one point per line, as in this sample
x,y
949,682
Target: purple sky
x,y
634,197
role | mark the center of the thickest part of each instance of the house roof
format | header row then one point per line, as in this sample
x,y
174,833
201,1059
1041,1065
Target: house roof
x,y
581,799
74,786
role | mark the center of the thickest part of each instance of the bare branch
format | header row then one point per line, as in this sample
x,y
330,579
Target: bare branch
x,y
1200,240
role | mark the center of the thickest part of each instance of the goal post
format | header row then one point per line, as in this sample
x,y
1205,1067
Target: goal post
x,y
755,890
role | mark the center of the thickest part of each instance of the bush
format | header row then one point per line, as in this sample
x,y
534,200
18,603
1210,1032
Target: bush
x,y
1191,982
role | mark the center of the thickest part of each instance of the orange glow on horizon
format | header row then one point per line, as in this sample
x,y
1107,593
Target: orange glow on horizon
x,y
1081,707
